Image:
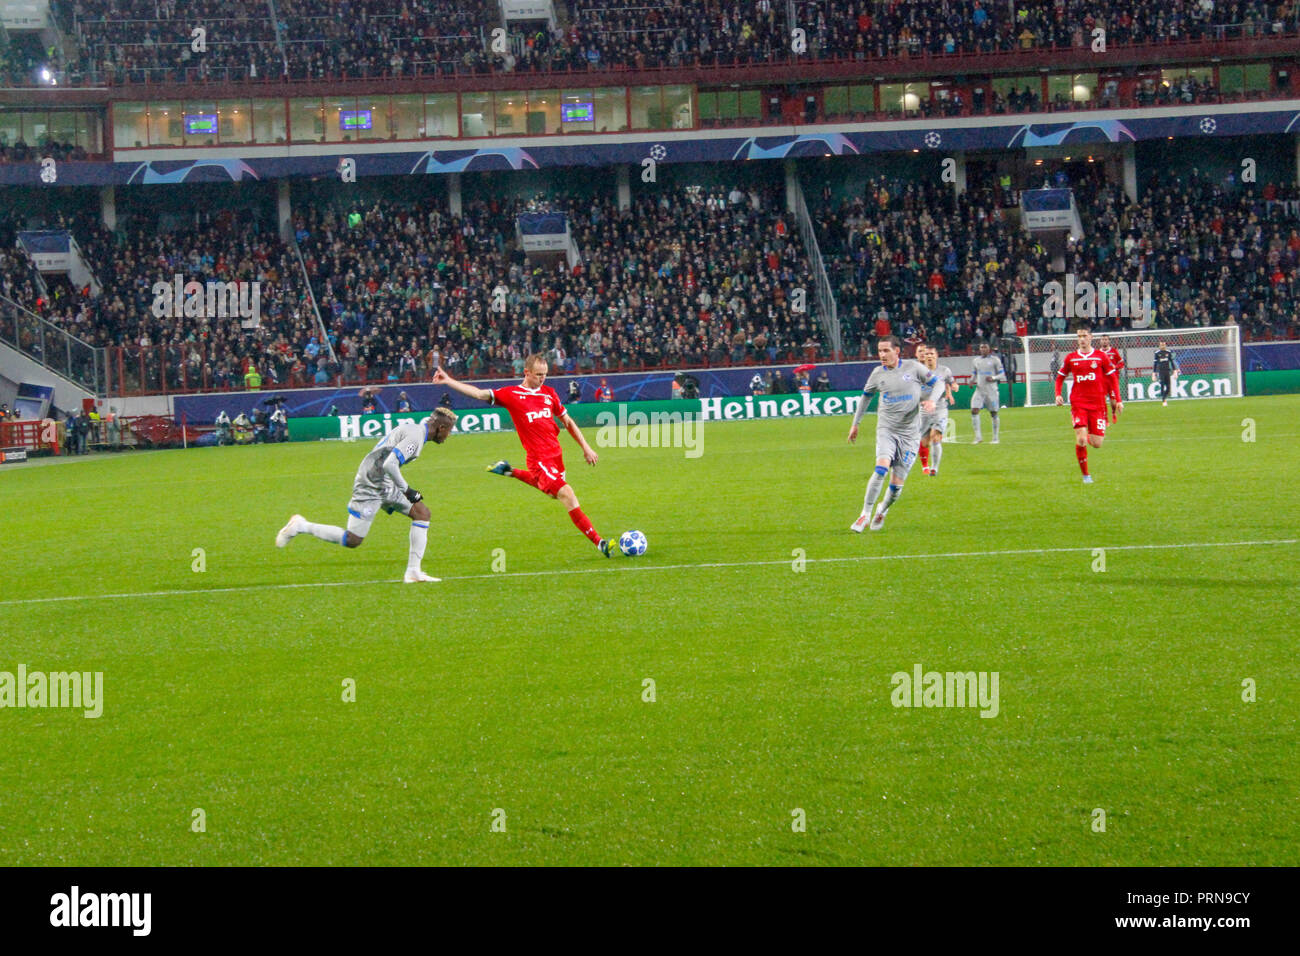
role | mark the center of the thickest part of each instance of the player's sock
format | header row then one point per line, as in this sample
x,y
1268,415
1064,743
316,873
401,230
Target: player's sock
x,y
524,475
583,524
890,497
996,422
936,452
1081,452
925,455
326,532
873,489
975,427
419,536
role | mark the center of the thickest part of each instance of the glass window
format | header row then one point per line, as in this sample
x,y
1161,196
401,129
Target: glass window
x,y
751,104
1257,77
90,132
63,127
199,127
236,118
647,108
679,108
511,107
268,121
440,116
543,112
903,97
862,99
1231,79
1078,88
380,120
11,124
35,127
306,121
611,109
835,100
165,125
338,111
408,117
477,115
708,106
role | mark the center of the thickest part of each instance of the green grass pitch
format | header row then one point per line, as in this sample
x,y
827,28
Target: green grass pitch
x,y
522,691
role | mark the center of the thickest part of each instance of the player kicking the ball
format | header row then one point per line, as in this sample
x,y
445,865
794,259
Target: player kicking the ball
x,y
537,413
379,484
934,423
901,383
1094,379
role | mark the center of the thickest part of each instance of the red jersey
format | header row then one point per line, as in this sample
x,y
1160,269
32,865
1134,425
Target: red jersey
x,y
536,414
1094,378
1112,353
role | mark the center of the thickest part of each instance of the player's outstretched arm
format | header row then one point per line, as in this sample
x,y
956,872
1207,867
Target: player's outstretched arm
x,y
441,377
588,453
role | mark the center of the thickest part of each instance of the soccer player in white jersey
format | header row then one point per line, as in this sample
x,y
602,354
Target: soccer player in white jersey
x,y
379,484
933,425
988,371
901,383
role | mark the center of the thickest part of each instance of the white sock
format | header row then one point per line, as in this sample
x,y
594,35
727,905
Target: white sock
x,y
936,452
890,497
996,420
975,427
326,532
873,492
419,535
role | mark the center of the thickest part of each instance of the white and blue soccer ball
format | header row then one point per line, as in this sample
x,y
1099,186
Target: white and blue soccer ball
x,y
632,543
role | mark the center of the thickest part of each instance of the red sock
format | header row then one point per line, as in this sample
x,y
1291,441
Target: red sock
x,y
925,456
524,475
583,524
1081,452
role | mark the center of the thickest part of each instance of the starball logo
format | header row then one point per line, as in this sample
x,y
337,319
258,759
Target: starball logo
x,y
209,300
1099,300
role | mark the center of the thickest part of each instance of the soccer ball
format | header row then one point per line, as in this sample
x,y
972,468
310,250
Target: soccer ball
x,y
632,543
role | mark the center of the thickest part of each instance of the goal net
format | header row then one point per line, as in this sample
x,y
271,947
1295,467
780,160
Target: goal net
x,y
1209,363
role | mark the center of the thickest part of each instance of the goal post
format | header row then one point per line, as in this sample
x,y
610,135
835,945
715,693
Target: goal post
x,y
1209,363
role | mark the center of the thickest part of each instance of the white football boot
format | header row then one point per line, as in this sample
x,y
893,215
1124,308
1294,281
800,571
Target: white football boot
x,y
289,531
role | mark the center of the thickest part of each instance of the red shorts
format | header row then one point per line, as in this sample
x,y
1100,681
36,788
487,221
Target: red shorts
x,y
1093,419
550,474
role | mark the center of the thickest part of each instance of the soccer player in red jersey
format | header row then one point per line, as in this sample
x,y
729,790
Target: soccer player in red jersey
x,y
537,413
1112,353
1094,379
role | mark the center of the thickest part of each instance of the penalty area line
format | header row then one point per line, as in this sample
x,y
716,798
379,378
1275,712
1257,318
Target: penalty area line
x,y
653,567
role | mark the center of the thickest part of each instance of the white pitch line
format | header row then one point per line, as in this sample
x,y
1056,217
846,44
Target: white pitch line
x,y
653,567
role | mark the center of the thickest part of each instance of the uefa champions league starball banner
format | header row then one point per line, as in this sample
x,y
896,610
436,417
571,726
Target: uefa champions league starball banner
x,y
686,146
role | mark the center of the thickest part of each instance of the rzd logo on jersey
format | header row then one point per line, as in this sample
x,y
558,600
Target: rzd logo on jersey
x,y
1085,378
544,413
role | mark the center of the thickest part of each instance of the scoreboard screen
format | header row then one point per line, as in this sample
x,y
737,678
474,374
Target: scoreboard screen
x,y
355,119
578,113
200,124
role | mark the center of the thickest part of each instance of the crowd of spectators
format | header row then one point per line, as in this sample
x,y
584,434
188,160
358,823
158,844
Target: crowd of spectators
x,y
132,39
909,258
682,278
686,278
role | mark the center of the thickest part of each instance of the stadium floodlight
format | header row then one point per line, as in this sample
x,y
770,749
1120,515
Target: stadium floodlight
x,y
1209,362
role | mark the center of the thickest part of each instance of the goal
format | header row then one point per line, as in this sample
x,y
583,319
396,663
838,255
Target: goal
x,y
1209,363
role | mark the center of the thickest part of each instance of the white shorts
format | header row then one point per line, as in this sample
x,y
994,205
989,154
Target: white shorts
x,y
366,503
982,400
937,421
899,450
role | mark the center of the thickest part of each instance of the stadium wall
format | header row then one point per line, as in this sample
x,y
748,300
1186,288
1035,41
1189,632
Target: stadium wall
x,y
627,387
